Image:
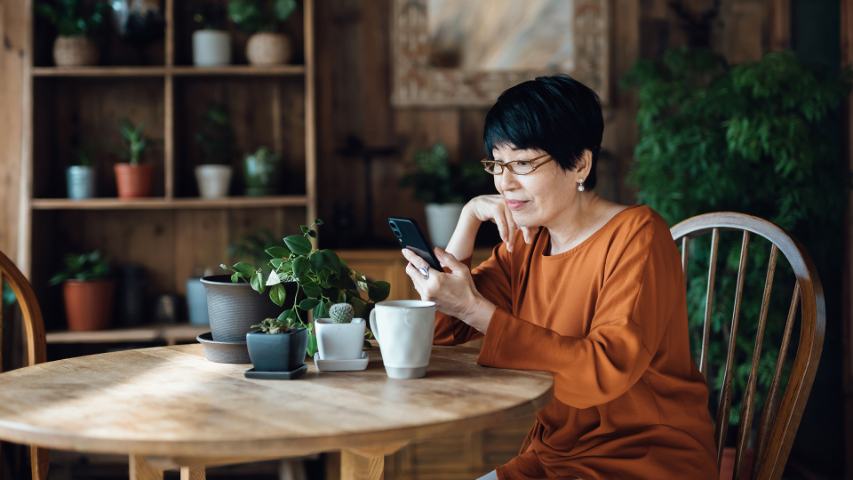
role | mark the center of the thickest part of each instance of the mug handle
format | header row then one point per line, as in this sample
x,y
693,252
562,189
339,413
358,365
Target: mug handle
x,y
373,327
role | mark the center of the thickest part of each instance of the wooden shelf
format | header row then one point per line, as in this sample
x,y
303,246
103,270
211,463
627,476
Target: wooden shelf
x,y
163,71
168,204
238,70
169,334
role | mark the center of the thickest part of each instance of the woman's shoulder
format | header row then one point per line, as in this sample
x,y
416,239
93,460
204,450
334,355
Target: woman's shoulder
x,y
638,220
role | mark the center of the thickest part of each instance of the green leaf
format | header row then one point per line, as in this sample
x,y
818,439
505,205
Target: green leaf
x,y
312,342
312,289
308,303
278,252
300,266
257,282
278,295
244,269
298,244
235,277
378,291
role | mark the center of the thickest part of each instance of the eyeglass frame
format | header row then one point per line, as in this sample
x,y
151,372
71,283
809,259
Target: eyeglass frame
x,y
508,165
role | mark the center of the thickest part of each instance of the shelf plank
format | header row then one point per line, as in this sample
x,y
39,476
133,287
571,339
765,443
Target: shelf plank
x,y
169,334
167,204
162,71
99,72
239,70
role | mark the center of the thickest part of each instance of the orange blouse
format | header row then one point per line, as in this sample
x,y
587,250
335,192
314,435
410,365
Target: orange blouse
x,y
609,319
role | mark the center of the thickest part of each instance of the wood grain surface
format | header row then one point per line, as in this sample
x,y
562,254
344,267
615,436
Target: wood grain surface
x,y
171,402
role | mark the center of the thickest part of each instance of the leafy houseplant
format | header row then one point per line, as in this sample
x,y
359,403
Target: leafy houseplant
x,y
750,138
261,19
216,140
211,41
134,178
443,186
75,21
321,279
87,290
262,172
80,176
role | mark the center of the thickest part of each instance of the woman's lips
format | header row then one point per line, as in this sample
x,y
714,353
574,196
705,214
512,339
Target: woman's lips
x,y
515,204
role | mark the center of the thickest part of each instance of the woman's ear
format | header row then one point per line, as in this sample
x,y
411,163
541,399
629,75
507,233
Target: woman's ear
x,y
584,164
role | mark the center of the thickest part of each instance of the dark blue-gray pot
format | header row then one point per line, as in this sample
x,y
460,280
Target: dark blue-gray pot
x,y
277,352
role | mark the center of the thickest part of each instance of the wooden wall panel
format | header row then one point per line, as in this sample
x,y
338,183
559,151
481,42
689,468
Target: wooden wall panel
x,y
14,89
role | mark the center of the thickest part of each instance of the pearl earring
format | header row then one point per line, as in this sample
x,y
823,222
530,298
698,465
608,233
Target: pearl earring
x,y
580,185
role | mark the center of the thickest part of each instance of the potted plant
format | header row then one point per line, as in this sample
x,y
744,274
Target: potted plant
x,y
278,345
134,178
707,131
211,41
261,19
216,140
262,172
318,278
340,337
75,21
87,290
443,186
80,177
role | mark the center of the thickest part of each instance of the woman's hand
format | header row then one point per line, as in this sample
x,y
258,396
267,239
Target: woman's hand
x,y
492,208
453,292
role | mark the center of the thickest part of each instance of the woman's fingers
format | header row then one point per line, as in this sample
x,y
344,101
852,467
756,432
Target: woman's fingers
x,y
510,229
415,260
525,232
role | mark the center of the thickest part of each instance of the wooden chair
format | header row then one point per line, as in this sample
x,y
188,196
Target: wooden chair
x,y
33,338
781,416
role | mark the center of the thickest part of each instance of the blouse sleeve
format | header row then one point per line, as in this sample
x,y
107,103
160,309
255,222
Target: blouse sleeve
x,y
631,314
493,280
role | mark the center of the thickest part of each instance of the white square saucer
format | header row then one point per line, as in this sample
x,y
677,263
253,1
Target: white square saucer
x,y
341,365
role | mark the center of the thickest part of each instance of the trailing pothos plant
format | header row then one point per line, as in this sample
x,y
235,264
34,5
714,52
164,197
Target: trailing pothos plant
x,y
321,278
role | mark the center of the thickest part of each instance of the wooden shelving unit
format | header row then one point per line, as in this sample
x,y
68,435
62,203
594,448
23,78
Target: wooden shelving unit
x,y
168,334
174,233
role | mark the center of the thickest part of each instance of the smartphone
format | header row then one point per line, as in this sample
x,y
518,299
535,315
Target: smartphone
x,y
410,236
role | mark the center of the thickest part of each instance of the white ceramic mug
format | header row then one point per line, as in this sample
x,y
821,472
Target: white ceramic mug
x,y
404,330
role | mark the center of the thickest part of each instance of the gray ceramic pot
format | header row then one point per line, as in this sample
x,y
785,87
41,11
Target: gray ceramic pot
x,y
234,307
280,352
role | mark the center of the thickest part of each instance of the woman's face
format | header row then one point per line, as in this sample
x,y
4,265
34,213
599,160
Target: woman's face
x,y
536,199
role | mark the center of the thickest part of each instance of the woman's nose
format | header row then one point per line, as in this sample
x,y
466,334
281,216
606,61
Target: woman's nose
x,y
506,180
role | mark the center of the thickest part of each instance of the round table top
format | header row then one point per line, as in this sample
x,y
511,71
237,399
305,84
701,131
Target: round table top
x,y
172,401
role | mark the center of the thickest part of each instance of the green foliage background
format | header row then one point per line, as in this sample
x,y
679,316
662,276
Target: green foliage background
x,y
755,138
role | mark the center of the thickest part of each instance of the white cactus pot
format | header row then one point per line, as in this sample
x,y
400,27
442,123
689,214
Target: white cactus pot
x,y
339,341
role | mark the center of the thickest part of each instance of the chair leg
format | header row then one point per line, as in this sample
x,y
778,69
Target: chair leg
x,y
39,463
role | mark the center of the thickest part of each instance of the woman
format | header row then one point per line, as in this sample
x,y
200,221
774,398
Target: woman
x,y
587,289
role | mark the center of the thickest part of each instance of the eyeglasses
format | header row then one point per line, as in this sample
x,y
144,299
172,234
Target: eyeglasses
x,y
517,167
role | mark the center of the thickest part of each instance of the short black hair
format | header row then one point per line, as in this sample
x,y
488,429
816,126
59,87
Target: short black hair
x,y
557,114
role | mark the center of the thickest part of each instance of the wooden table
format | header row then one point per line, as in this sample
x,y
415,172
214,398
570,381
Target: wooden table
x,y
169,408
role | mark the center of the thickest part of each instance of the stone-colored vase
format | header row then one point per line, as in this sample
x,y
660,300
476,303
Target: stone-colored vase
x,y
76,51
267,48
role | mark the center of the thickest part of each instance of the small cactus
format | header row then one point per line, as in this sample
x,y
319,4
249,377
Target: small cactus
x,y
341,313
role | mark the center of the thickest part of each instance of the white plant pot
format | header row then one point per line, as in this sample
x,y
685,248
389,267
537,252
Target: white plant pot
x,y
211,48
441,221
213,180
339,341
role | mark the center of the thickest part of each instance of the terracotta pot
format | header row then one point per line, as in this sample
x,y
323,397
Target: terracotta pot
x,y
727,463
74,51
88,304
268,49
134,181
